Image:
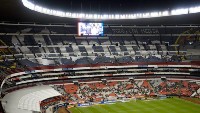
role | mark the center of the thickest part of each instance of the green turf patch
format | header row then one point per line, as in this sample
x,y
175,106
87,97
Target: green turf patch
x,y
170,105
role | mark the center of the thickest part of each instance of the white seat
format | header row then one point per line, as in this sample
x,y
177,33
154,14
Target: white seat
x,y
32,100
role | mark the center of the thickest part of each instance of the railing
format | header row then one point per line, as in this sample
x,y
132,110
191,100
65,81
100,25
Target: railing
x,y
194,64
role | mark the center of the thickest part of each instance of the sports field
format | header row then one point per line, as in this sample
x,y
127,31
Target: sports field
x,y
170,105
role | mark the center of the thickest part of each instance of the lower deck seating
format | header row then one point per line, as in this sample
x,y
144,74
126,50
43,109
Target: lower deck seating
x,y
98,91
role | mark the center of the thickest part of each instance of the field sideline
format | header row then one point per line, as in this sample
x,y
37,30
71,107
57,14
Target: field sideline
x,y
170,105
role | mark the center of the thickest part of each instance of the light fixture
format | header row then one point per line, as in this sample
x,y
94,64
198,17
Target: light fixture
x,y
180,11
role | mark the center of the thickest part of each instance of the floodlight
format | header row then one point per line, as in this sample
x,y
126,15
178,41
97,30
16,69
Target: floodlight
x,y
54,12
154,14
116,16
138,15
95,16
194,9
81,15
165,13
146,15
179,11
74,15
38,8
122,16
68,14
28,4
60,13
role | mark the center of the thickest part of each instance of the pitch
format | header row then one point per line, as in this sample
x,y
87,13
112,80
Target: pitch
x,y
169,105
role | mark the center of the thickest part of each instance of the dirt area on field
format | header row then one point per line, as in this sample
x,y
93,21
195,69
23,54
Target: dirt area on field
x,y
191,99
62,110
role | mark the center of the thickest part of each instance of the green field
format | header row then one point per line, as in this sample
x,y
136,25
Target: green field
x,y
170,105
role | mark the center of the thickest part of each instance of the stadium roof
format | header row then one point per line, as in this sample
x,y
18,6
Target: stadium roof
x,y
13,10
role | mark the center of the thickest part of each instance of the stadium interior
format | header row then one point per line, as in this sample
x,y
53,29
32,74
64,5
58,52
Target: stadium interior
x,y
71,62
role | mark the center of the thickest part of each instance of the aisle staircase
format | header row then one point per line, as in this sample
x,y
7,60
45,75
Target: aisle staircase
x,y
196,92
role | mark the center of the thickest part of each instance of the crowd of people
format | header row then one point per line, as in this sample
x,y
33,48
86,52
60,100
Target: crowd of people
x,y
176,87
112,90
45,104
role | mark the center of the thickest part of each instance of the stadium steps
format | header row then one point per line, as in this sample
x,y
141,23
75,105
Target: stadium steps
x,y
195,93
152,87
136,85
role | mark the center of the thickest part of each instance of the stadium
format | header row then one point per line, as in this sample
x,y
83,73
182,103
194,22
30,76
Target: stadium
x,y
99,56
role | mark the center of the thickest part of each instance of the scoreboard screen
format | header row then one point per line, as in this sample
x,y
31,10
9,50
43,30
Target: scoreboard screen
x,y
93,29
